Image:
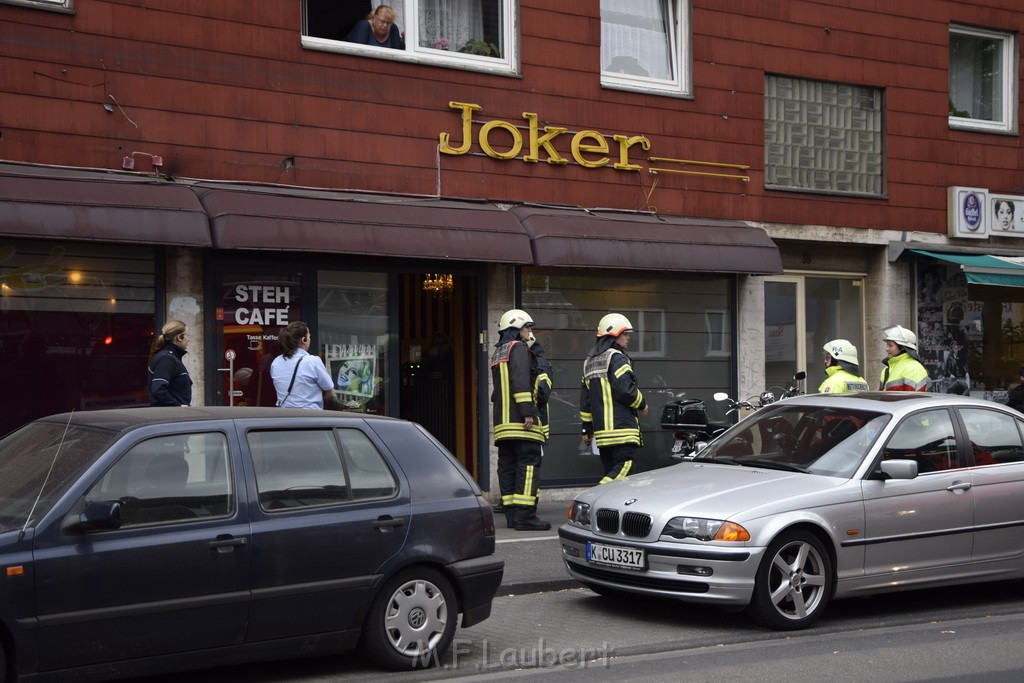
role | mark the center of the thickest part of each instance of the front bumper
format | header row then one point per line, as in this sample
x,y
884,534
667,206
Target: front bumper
x,y
711,574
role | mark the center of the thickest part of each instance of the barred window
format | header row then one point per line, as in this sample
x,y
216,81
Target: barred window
x,y
824,137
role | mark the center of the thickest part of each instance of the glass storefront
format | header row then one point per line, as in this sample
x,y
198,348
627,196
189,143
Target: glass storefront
x,y
352,336
76,323
973,334
683,343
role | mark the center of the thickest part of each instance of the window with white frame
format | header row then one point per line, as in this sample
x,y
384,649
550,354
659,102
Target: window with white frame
x,y
982,79
821,136
477,35
645,45
58,5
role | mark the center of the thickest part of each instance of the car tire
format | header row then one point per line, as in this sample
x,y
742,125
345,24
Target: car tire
x,y
793,584
412,621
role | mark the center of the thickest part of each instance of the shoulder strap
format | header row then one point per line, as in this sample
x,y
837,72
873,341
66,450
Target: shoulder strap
x,y
292,383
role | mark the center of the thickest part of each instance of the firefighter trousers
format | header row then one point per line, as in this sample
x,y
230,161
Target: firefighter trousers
x,y
519,471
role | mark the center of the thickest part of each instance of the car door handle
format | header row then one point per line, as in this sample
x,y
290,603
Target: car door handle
x,y
226,542
963,486
386,522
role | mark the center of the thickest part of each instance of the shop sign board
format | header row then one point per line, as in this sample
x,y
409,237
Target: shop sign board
x,y
967,212
1006,215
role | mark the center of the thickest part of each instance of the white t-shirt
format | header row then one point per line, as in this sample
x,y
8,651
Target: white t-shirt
x,y
311,380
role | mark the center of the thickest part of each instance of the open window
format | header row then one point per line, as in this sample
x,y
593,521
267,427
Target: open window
x,y
477,35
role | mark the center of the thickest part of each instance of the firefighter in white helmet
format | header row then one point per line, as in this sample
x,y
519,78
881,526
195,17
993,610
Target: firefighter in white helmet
x,y
516,433
902,371
842,369
611,403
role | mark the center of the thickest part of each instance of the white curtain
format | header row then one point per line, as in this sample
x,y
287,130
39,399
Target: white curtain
x,y
637,37
452,21
975,76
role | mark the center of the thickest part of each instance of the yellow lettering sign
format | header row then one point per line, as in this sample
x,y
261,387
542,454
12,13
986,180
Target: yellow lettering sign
x,y
599,146
467,129
485,141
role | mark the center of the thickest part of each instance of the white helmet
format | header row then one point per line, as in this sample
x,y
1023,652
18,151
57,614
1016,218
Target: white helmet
x,y
843,350
514,319
901,336
613,324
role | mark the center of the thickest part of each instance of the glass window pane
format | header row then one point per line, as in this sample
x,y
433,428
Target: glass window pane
x,y
637,38
467,26
297,468
173,478
824,136
352,338
780,336
832,310
976,77
994,436
926,437
369,474
255,308
76,319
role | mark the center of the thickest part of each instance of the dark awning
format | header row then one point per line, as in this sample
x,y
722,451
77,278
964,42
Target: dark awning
x,y
322,221
593,239
982,269
69,204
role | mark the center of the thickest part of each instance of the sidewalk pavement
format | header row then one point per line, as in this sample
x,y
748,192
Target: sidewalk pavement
x,y
533,559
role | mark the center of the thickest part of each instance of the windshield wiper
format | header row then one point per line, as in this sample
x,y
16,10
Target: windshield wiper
x,y
773,465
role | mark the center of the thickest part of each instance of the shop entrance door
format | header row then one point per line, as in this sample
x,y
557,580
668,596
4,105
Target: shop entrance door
x,y
438,346
248,314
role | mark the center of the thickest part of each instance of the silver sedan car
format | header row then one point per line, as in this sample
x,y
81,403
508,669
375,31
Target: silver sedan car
x,y
814,498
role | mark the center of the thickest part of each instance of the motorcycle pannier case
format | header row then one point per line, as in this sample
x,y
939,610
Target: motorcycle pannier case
x,y
684,413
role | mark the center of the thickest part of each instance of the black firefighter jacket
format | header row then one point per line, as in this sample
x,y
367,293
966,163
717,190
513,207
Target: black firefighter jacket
x,y
610,399
511,365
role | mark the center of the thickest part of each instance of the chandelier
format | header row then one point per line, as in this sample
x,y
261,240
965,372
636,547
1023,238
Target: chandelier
x,y
438,284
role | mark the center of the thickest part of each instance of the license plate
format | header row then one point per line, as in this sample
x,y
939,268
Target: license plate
x,y
616,556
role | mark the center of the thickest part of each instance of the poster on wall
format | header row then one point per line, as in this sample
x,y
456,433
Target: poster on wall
x,y
353,368
943,326
1006,212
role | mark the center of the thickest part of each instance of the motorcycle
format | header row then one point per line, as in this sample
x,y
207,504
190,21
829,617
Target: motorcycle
x,y
767,397
688,419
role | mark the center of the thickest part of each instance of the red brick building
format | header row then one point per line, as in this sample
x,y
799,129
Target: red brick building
x,y
745,180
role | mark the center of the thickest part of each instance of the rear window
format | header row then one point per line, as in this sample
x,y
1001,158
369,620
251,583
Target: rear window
x,y
310,467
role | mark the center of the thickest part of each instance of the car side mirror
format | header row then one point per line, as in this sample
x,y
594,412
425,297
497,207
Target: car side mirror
x,y
898,469
99,515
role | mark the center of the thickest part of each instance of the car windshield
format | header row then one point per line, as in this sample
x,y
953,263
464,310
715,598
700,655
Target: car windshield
x,y
42,453
800,438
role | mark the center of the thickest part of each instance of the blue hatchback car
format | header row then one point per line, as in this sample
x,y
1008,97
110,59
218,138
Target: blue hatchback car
x,y
159,539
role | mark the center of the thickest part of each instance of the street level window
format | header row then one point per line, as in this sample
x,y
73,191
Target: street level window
x,y
645,45
824,137
56,5
982,78
478,35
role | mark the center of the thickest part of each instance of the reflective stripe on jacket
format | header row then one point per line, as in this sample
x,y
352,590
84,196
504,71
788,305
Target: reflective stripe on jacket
x,y
840,381
903,373
610,399
513,393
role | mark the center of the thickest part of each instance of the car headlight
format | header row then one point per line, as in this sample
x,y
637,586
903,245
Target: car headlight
x,y
579,513
705,529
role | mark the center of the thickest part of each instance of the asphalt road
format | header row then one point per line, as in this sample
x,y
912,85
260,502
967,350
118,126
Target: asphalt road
x,y
543,625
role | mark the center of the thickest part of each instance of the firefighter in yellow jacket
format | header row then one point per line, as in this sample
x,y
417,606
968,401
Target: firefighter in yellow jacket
x,y
842,368
611,403
902,371
516,433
